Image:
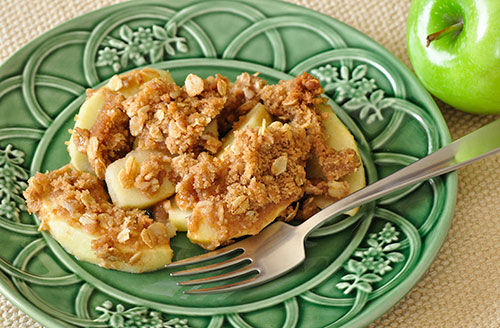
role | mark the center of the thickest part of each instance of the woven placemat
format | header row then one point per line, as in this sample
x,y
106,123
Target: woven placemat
x,y
462,287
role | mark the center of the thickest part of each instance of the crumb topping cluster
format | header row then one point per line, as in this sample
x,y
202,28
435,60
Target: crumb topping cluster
x,y
147,176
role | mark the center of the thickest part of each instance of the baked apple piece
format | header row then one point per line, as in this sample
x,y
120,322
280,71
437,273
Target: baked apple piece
x,y
263,172
140,179
338,137
74,207
117,89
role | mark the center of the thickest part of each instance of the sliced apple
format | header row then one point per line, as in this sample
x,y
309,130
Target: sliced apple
x,y
254,118
338,137
133,197
202,232
178,216
85,120
78,242
127,84
212,129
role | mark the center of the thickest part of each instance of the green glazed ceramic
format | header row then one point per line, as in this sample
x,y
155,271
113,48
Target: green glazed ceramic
x,y
356,268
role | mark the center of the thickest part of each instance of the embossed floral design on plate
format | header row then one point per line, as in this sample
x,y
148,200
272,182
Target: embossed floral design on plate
x,y
356,267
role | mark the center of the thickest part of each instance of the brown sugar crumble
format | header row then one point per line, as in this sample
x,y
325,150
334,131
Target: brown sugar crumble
x,y
166,117
263,170
236,190
147,176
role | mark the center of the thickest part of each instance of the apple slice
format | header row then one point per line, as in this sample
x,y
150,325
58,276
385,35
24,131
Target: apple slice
x,y
133,197
78,242
178,216
127,84
85,120
77,213
338,137
204,233
207,236
254,118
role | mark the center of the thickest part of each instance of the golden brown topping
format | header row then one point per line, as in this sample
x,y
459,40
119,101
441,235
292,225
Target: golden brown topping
x,y
261,175
338,189
279,165
128,174
159,229
146,177
289,213
89,221
315,187
242,96
123,236
307,209
295,101
166,117
151,175
265,166
335,164
148,238
81,138
240,205
259,171
222,87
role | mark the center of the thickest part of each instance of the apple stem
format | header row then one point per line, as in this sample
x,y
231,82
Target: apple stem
x,y
447,30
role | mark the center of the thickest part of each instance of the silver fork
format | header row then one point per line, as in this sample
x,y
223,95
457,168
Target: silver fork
x,y
280,247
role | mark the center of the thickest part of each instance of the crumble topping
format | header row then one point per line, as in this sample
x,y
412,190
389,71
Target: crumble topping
x,y
246,179
166,117
242,97
146,177
295,101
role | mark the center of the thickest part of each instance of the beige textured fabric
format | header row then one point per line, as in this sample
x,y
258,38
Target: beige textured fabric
x,y
462,287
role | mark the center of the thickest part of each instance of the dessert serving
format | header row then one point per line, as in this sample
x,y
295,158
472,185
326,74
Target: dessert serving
x,y
215,158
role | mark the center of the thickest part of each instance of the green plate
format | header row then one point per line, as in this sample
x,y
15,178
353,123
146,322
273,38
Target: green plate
x,y
356,268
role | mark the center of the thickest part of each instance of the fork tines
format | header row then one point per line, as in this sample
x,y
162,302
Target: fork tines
x,y
205,257
239,259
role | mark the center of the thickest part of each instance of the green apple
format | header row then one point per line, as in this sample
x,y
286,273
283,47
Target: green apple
x,y
454,47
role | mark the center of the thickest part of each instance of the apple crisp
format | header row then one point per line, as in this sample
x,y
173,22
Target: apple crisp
x,y
81,198
226,157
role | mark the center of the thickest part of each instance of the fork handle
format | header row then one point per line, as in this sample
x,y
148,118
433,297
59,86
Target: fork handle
x,y
474,146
